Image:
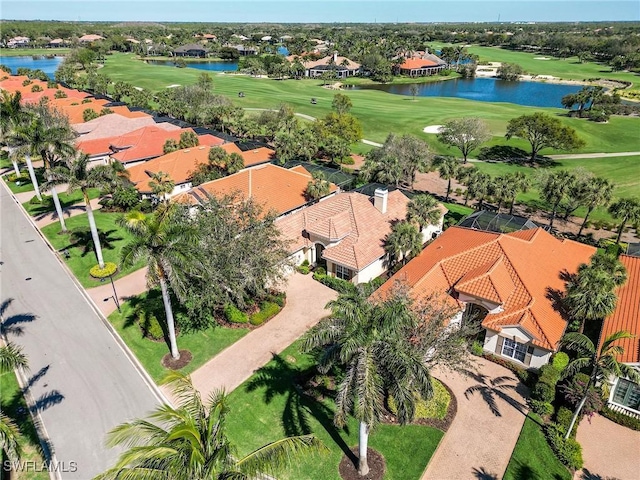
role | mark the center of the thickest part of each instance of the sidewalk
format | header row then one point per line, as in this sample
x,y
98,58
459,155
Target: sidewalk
x,y
133,284
491,412
306,300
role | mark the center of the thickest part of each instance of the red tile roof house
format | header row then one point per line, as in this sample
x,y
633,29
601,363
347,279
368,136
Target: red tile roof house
x,y
114,125
625,395
505,279
342,66
180,164
347,231
420,64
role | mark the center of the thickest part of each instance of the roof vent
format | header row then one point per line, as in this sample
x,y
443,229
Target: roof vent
x,y
380,198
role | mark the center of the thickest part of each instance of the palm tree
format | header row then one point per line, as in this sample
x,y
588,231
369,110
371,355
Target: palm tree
x,y
235,163
448,168
403,242
370,341
190,442
166,249
11,115
11,357
318,186
555,189
478,186
49,135
79,176
603,364
423,210
521,182
628,211
161,185
502,190
597,192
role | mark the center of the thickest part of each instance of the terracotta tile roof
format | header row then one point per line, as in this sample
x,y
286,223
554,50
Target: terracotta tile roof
x,y
275,188
365,230
627,313
210,140
329,59
144,143
181,163
114,125
14,84
415,63
516,271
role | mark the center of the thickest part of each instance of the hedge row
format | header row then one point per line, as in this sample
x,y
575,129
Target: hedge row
x,y
621,419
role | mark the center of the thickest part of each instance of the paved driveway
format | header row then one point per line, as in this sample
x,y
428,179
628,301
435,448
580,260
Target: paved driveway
x,y
306,300
83,381
491,411
610,451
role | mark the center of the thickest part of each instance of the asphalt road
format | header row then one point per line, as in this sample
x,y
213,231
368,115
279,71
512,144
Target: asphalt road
x,y
81,379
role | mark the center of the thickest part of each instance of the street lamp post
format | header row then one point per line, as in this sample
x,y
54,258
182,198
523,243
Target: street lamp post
x,y
115,294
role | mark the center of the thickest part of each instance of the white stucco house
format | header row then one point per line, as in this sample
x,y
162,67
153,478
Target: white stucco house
x,y
345,233
505,281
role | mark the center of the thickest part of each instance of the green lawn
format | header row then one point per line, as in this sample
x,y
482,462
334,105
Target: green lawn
x,y
25,184
203,345
14,406
268,407
66,200
113,238
27,52
380,113
532,457
457,212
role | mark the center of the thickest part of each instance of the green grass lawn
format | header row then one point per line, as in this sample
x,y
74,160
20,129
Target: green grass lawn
x,y
27,52
25,184
268,407
14,406
66,200
113,238
457,212
380,113
203,345
532,456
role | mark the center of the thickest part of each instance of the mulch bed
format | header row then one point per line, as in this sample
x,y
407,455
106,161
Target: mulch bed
x,y
441,424
171,364
349,471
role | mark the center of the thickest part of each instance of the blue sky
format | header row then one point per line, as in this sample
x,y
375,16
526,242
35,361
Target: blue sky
x,y
321,11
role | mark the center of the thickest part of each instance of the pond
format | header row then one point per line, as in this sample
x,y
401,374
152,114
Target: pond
x,y
533,94
215,66
47,65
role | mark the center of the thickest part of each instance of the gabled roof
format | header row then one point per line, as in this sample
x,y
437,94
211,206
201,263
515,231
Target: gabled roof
x,y
90,38
13,84
181,163
334,61
365,230
191,46
275,188
518,271
114,125
627,313
75,113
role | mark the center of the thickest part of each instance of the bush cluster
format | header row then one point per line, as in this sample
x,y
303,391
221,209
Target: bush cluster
x,y
337,284
109,269
12,177
435,407
234,315
303,268
621,419
150,326
278,298
545,388
568,451
267,311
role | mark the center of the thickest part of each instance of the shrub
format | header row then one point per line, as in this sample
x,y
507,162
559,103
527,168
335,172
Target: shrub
x,y
86,100
23,177
569,451
337,284
60,94
560,361
598,116
543,409
267,311
234,315
36,88
435,407
347,161
621,419
124,198
574,389
89,114
26,82
476,348
277,298
377,282
151,327
320,271
544,392
563,419
303,269
109,269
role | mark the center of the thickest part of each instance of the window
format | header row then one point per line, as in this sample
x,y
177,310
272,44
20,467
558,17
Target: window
x,y
627,394
343,272
514,349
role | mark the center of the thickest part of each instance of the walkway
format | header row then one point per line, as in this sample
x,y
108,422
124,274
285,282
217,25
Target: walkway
x,y
133,284
83,380
609,450
491,412
306,300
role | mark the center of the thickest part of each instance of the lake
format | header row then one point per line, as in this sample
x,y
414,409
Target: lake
x,y
533,94
215,66
47,65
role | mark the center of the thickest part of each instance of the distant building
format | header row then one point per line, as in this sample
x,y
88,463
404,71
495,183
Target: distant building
x,y
244,50
57,43
18,42
90,38
420,64
342,66
191,50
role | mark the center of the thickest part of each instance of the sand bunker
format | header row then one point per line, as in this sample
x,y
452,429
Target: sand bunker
x,y
541,58
432,129
174,85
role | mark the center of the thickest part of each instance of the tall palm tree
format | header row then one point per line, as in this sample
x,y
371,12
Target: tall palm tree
x,y
161,185
318,186
423,210
166,248
628,211
79,176
403,242
11,357
448,168
11,115
521,182
49,135
597,192
603,364
190,443
371,342
555,188
502,190
478,185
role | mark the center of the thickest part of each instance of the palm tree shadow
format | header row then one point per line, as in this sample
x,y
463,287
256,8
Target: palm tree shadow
x,y
493,389
281,378
587,475
482,474
82,239
11,325
66,211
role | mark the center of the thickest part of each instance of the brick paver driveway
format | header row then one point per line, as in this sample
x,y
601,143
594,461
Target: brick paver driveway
x,y
491,411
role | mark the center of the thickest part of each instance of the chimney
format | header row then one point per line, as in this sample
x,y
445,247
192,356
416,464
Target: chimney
x,y
335,57
380,198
